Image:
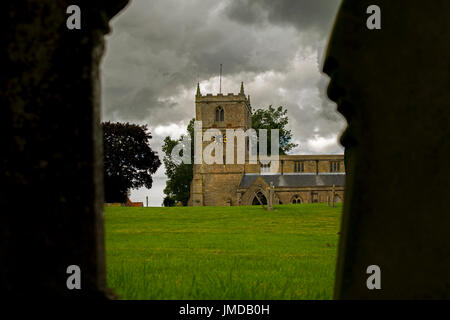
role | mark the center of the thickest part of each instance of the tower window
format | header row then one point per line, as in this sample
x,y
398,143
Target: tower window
x,y
220,114
299,166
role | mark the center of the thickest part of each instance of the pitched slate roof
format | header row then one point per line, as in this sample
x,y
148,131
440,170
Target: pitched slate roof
x,y
297,180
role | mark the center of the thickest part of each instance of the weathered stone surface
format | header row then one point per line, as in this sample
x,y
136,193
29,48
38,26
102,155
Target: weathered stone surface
x,y
51,183
392,85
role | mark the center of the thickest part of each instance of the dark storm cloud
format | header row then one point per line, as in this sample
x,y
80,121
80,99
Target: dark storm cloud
x,y
160,47
305,15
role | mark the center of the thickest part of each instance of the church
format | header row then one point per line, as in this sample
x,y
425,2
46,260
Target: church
x,y
295,178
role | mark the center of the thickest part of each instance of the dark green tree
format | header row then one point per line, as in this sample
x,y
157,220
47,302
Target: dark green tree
x,y
272,118
179,174
129,162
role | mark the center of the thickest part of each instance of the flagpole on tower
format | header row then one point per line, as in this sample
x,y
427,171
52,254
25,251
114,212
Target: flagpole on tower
x,y
220,79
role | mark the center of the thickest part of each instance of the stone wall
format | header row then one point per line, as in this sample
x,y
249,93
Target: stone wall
x,y
311,163
220,189
324,194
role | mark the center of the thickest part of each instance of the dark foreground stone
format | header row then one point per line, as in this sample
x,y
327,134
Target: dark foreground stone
x,y
392,85
51,183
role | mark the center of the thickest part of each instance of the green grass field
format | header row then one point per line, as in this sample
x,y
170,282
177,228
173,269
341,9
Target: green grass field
x,y
222,252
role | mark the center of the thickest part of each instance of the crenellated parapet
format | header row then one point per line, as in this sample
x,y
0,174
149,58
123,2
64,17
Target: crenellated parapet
x,y
223,98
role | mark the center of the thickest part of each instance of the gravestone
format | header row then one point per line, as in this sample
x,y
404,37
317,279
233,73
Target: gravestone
x,y
392,85
51,174
271,190
333,195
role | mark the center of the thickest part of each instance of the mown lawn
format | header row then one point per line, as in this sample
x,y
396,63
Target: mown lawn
x,y
222,252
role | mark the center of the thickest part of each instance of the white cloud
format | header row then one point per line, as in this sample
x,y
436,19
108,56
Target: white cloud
x,y
173,130
320,144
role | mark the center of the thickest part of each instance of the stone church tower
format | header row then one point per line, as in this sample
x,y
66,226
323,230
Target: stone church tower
x,y
296,178
216,184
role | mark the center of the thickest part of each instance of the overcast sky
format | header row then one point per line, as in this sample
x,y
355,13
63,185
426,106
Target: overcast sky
x,y
159,49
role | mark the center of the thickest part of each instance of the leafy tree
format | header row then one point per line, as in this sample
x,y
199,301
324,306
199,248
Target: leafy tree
x,y
169,202
129,162
272,118
179,174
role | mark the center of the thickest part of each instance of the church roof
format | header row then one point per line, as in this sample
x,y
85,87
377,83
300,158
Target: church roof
x,y
296,180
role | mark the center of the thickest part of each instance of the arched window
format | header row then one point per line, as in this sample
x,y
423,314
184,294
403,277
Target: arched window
x,y
259,199
220,114
296,199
